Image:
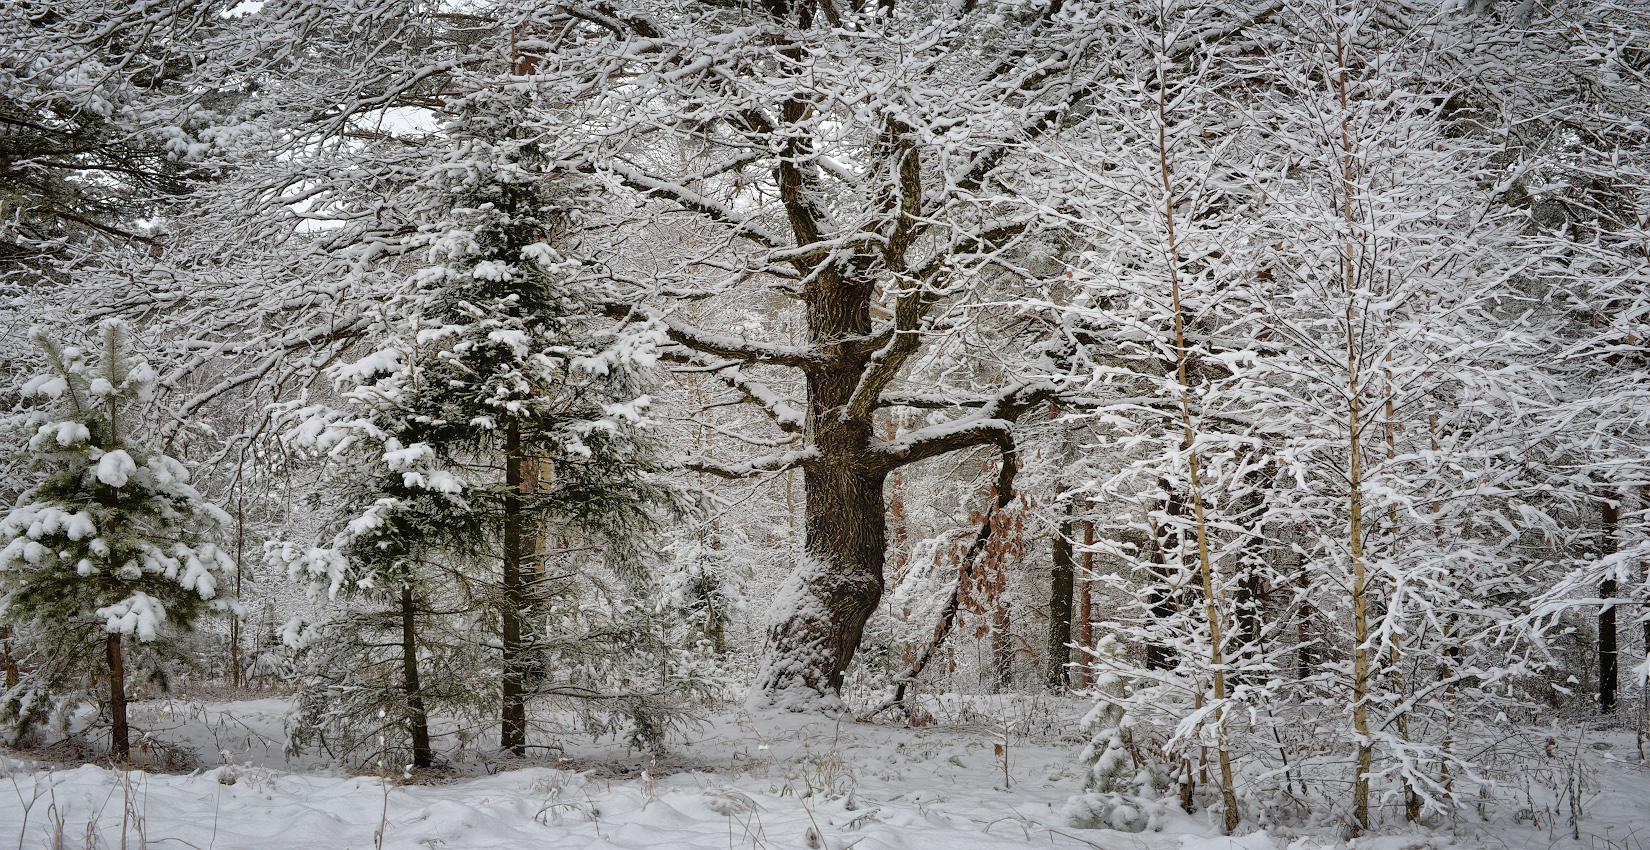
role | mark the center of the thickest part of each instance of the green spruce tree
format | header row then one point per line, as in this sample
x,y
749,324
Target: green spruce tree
x,y
111,542
501,456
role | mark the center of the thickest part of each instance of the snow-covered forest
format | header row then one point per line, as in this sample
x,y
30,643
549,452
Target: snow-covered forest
x,y
821,423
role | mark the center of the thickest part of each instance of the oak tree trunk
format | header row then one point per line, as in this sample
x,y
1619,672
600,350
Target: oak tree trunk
x,y
1002,644
842,576
845,527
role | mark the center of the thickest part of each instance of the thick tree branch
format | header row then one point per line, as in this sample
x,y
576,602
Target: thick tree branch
x,y
754,466
611,19
885,364
731,347
687,199
993,423
911,305
906,225
786,416
930,401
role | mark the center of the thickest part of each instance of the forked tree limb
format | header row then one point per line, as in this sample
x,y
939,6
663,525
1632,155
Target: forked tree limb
x,y
948,618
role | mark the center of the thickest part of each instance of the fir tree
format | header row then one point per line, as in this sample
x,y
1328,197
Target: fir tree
x,y
111,541
498,435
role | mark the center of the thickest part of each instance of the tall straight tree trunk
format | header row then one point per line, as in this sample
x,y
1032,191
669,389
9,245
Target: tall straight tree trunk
x,y
1360,613
1412,801
513,732
1194,472
418,721
120,745
1002,644
1060,604
1085,605
6,656
1355,472
1608,656
1306,653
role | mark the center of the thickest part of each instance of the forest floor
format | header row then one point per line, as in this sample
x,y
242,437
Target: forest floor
x,y
989,773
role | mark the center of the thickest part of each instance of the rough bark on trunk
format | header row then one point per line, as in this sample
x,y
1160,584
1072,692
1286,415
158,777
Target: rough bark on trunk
x,y
1002,646
845,533
120,745
418,721
513,731
1060,605
845,524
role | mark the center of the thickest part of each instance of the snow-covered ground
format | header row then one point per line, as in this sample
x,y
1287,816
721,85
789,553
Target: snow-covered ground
x,y
764,782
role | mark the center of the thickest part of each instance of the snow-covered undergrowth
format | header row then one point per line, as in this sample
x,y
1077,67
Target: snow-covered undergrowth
x,y
989,773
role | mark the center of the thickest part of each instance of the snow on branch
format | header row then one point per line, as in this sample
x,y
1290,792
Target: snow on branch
x,y
992,423
721,345
766,463
785,414
688,199
610,19
931,401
